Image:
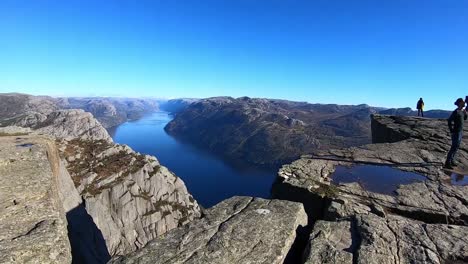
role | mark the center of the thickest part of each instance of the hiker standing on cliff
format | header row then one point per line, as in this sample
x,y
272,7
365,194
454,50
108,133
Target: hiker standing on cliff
x,y
420,107
455,123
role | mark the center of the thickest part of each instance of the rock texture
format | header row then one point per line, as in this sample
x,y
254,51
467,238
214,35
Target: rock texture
x,y
237,230
128,198
271,132
423,222
131,197
32,219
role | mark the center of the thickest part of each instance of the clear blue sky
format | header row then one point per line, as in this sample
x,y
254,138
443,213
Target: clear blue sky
x,y
383,53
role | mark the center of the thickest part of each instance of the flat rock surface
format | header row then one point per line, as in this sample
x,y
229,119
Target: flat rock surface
x,y
33,227
237,230
420,222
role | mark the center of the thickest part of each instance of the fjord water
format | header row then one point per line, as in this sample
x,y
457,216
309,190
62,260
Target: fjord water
x,y
208,177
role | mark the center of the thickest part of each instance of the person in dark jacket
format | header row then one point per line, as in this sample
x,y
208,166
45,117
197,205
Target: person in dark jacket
x,y
455,123
420,107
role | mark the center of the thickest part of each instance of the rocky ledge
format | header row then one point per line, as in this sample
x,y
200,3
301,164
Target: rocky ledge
x,y
122,199
237,230
420,222
32,218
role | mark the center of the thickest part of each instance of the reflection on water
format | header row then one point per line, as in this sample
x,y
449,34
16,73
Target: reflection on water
x,y
379,179
209,178
459,179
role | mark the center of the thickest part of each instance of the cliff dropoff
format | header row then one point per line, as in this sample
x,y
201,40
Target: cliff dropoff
x,y
237,230
420,222
124,199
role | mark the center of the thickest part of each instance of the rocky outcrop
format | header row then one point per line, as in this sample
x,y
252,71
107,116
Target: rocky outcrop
x,y
128,198
237,230
131,197
423,222
271,132
70,124
32,218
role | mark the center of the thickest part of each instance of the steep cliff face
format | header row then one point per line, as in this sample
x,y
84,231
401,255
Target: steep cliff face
x,y
424,221
237,230
130,197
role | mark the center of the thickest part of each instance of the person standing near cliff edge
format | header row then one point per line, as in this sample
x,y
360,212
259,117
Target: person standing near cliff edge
x,y
455,123
420,107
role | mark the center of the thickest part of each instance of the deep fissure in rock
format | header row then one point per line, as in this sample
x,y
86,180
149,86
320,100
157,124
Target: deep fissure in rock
x,y
86,240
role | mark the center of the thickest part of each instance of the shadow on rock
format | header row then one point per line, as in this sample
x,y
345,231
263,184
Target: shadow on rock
x,y
87,243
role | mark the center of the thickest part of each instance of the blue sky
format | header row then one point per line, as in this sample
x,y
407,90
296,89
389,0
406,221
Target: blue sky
x,y
383,53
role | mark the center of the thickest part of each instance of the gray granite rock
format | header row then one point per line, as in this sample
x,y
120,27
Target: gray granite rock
x,y
130,198
417,224
237,230
330,242
33,225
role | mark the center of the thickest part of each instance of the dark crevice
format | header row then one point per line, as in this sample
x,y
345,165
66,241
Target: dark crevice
x,y
429,218
314,206
86,240
296,252
356,240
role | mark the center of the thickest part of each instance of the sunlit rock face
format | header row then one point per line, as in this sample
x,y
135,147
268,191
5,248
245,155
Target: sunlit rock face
x,y
237,230
425,221
130,197
33,224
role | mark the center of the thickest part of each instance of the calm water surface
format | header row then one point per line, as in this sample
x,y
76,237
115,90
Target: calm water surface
x,y
379,179
209,178
459,179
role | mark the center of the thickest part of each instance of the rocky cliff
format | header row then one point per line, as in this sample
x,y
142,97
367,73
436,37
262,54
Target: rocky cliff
x,y
421,222
129,198
33,224
272,132
237,230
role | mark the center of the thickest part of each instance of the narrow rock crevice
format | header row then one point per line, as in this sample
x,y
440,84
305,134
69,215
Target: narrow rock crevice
x,y
356,240
314,206
298,248
86,240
